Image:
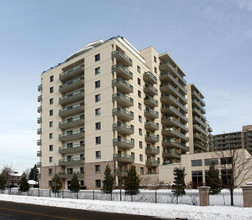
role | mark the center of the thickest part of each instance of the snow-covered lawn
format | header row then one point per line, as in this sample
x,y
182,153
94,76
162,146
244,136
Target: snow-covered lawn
x,y
139,208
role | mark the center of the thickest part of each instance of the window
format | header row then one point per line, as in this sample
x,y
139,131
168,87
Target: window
x,y
140,118
133,155
158,159
69,158
226,160
139,106
51,136
98,183
50,147
69,170
155,69
141,157
197,179
138,69
50,171
51,101
98,126
51,89
97,70
82,157
97,84
140,144
50,159
97,111
139,94
141,170
51,78
196,163
51,112
81,170
69,145
139,81
98,98
98,154
98,169
155,59
50,124
97,57
226,177
140,132
98,140
212,161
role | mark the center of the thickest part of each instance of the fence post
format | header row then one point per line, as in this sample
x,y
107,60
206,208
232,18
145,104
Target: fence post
x,y
93,194
247,194
155,196
204,195
38,193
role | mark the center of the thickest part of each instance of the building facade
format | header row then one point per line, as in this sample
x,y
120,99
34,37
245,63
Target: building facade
x,y
111,104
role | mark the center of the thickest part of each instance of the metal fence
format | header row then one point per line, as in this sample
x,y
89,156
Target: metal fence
x,y
150,196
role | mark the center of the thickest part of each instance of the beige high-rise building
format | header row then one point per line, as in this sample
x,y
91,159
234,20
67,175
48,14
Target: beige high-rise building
x,y
199,128
111,104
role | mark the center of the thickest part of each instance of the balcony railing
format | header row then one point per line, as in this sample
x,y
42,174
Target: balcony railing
x,y
167,88
122,72
39,131
170,99
71,73
39,153
149,125
199,106
123,143
124,158
39,109
198,128
73,122
149,78
148,100
122,99
171,132
199,98
71,110
39,120
170,143
171,154
150,89
122,57
149,113
122,85
152,163
39,98
151,138
71,161
152,150
63,175
71,148
169,109
40,87
39,142
123,114
123,128
72,85
39,164
71,135
199,113
73,97
196,119
171,121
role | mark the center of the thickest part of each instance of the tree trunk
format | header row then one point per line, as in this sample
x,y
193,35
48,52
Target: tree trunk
x,y
232,196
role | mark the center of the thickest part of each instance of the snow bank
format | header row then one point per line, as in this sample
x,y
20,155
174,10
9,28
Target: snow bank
x,y
150,209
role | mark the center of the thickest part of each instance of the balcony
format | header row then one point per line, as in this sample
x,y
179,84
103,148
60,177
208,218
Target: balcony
x,y
152,150
173,122
123,143
199,113
72,161
151,102
122,72
171,154
123,114
71,149
151,114
195,103
39,164
168,88
40,87
170,110
151,138
197,136
152,163
39,98
39,153
39,131
167,77
123,158
197,120
123,128
72,85
71,135
71,122
168,67
150,90
39,120
200,98
122,100
39,109
199,146
199,129
39,142
122,58
149,78
170,132
171,100
120,172
73,97
69,175
122,86
151,126
72,110
170,143
72,73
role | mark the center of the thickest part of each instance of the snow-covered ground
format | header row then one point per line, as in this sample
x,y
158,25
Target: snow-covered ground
x,y
139,208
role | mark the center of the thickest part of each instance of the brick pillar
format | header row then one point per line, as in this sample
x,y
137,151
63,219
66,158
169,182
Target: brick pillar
x,y
247,195
204,195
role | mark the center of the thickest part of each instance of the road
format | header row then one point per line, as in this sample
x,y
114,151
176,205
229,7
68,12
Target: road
x,y
11,211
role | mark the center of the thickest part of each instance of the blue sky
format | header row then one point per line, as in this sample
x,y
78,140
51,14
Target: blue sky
x,y
211,40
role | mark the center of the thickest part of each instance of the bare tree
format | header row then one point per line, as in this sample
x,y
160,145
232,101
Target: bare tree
x,y
235,165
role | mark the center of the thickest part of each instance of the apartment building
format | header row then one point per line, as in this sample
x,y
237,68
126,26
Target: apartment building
x,y
199,128
111,104
239,139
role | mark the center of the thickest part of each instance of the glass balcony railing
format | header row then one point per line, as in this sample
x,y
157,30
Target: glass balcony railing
x,y
71,146
149,77
122,67
151,111
152,99
179,104
176,121
121,125
72,159
71,95
121,53
175,110
199,97
123,96
39,87
117,140
116,110
71,107
151,87
174,90
152,124
122,81
71,82
39,98
71,70
72,133
72,120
